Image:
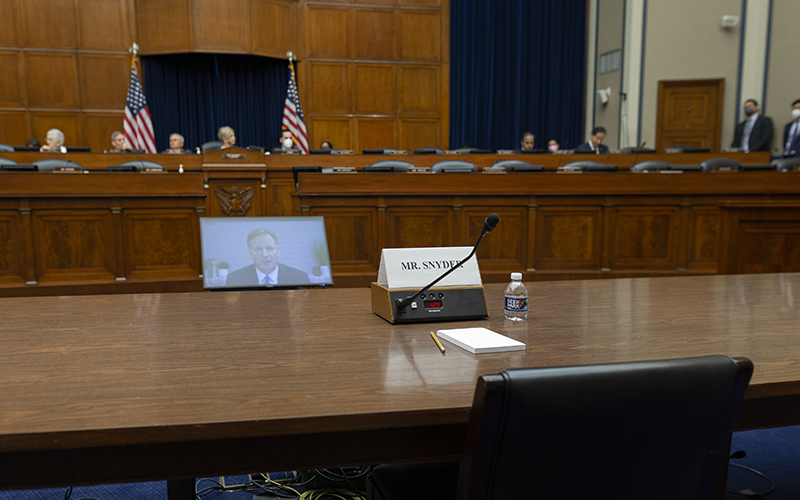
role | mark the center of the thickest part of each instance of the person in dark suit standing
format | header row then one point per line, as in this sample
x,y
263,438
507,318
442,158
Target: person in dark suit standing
x,y
595,144
262,245
791,133
755,132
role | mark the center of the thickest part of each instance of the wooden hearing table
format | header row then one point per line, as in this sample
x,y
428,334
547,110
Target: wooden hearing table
x,y
118,388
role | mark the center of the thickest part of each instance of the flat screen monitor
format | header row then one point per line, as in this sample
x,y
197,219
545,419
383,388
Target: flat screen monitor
x,y
264,252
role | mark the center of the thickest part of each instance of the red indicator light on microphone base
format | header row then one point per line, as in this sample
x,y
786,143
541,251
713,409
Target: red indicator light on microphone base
x,y
432,304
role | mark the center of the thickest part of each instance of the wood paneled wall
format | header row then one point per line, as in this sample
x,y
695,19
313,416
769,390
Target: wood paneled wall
x,y
65,65
376,73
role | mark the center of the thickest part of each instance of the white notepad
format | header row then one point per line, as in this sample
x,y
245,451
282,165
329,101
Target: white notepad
x,y
480,340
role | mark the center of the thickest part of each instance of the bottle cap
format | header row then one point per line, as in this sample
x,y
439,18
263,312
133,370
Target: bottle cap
x,y
516,276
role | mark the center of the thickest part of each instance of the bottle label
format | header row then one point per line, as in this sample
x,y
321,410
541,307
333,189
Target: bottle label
x,y
517,304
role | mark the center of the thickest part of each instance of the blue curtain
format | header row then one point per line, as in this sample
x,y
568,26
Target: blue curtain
x,y
517,66
195,94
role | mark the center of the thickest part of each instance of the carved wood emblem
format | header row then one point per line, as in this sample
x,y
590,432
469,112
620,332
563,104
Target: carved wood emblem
x,y
235,202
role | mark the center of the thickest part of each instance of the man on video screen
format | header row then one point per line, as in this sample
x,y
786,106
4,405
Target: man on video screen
x,y
263,247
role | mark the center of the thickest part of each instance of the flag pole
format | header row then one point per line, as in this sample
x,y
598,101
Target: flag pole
x,y
134,49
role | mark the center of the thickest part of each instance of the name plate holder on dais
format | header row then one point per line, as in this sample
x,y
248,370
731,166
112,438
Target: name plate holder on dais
x,y
69,170
404,271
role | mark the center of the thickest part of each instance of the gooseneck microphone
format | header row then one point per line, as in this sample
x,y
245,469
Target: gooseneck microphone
x,y
488,225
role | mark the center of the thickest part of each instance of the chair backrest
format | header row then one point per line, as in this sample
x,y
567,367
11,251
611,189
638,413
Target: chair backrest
x,y
428,151
6,161
50,164
590,166
453,166
389,166
519,166
211,145
653,166
140,164
6,147
713,163
652,429
788,164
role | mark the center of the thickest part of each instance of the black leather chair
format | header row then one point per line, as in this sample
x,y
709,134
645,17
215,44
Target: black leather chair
x,y
453,167
518,166
652,429
653,166
389,166
50,164
428,151
6,147
6,161
718,163
136,166
589,166
211,145
788,164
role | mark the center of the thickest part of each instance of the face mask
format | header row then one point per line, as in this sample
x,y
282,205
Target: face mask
x,y
796,113
749,111
553,148
287,143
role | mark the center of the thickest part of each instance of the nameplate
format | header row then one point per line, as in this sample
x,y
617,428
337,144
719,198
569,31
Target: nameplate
x,y
569,170
154,170
68,169
419,170
395,152
494,170
505,151
344,170
725,169
416,267
341,151
673,150
452,152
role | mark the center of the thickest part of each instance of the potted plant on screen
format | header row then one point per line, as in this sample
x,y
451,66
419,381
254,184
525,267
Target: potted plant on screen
x,y
223,269
323,267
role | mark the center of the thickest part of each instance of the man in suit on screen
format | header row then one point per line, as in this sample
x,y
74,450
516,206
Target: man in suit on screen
x,y
262,245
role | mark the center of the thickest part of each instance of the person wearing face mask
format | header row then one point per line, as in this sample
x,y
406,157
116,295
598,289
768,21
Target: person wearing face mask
x,y
552,145
791,134
755,132
287,142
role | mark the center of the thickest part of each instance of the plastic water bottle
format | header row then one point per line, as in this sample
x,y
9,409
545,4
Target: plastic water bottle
x,y
516,308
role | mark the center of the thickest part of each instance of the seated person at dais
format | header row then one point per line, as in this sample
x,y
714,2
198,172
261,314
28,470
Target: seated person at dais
x,y
552,145
595,144
324,144
118,142
262,245
526,144
227,136
176,142
54,142
287,140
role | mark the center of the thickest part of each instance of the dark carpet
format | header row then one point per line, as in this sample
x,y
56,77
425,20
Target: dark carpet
x,y
773,452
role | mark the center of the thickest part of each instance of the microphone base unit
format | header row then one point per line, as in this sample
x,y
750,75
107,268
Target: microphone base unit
x,y
438,304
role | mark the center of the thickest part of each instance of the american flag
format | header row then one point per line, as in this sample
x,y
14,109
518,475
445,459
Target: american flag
x,y
138,127
293,115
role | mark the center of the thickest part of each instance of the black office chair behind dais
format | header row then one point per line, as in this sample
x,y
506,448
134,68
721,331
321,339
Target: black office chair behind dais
x,y
518,166
453,167
653,166
588,166
6,147
720,165
789,164
136,166
211,145
50,165
389,166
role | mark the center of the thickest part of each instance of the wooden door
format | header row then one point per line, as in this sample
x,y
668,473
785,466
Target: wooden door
x,y
690,114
